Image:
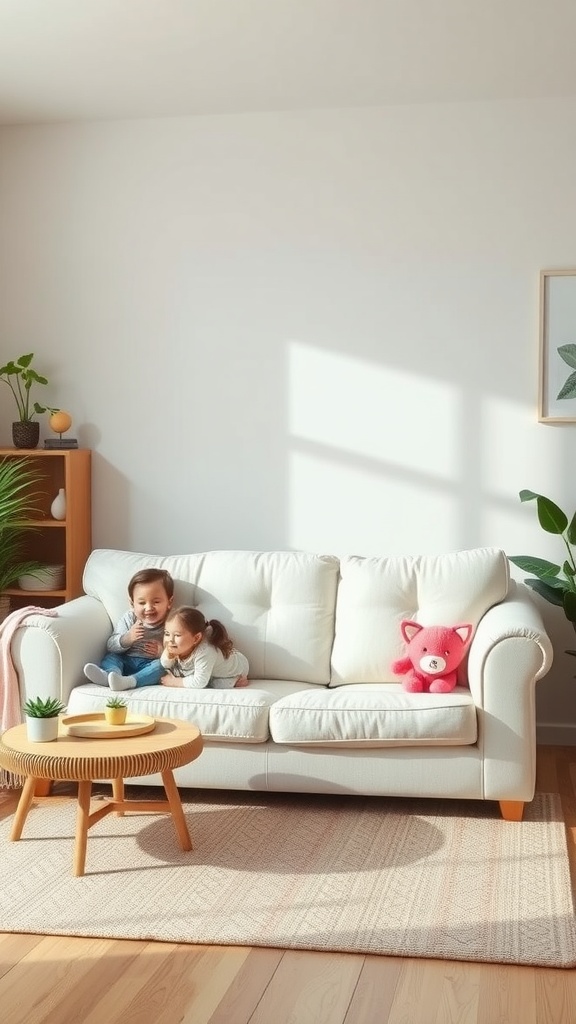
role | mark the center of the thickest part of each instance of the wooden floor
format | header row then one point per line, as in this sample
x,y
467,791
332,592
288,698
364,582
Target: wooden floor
x,y
55,980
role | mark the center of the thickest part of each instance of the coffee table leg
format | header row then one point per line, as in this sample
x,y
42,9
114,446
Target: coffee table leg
x,y
82,826
176,808
24,804
118,793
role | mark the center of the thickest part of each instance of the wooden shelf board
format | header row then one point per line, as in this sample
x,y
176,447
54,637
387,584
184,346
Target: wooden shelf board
x,y
38,524
17,592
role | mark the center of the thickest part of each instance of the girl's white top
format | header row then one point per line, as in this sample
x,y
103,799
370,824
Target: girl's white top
x,y
205,662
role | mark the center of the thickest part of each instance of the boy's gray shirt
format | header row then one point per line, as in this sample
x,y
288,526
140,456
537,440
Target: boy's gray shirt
x,y
136,650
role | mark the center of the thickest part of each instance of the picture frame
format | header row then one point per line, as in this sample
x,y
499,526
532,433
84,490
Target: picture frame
x,y
557,369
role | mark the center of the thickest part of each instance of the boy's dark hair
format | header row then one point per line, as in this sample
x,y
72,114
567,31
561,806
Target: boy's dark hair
x,y
152,576
193,619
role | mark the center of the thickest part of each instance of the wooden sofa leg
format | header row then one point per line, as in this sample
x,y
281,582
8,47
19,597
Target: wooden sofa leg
x,y
512,810
42,787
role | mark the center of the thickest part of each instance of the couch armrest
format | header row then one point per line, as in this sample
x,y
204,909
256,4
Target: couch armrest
x,y
49,653
509,653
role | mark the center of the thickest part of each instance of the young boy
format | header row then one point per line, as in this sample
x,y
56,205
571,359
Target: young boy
x,y
134,649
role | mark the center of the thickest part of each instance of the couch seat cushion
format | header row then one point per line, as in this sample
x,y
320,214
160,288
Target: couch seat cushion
x,y
239,716
374,715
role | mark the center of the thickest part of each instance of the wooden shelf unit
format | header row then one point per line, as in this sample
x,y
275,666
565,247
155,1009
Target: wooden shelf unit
x,y
65,542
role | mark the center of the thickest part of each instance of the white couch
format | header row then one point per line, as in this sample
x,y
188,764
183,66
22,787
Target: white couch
x,y
324,713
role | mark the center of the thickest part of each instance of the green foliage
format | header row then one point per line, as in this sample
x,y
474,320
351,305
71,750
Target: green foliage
x,y
20,377
49,708
116,702
568,354
18,497
556,583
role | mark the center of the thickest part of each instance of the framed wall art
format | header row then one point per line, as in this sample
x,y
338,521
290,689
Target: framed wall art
x,y
557,369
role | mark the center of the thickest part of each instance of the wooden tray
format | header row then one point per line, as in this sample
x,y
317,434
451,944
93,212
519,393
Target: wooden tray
x,y
94,726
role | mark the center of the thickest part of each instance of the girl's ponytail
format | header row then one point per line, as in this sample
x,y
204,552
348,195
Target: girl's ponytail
x,y
218,636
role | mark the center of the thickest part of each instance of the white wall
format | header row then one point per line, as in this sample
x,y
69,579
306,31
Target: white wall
x,y
300,330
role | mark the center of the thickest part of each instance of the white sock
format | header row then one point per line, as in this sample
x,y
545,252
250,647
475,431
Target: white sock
x,y
96,674
117,682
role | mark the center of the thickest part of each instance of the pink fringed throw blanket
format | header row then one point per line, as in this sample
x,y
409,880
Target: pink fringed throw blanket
x,y
9,690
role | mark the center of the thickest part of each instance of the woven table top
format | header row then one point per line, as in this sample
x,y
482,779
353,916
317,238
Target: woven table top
x,y
73,758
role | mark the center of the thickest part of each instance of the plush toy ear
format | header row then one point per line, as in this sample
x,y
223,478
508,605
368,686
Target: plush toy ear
x,y
410,629
464,632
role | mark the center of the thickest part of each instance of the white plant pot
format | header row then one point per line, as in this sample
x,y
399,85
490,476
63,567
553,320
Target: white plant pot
x,y
41,730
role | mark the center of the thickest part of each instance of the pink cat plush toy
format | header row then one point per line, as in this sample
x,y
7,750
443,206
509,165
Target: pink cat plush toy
x,y
434,653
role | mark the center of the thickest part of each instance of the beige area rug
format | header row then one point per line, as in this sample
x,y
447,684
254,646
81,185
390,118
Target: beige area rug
x,y
423,878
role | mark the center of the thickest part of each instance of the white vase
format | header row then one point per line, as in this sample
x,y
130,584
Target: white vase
x,y
58,506
41,730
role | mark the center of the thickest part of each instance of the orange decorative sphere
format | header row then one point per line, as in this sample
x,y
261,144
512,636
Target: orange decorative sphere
x,y
60,421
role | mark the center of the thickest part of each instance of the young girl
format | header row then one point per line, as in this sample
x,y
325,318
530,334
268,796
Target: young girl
x,y
199,653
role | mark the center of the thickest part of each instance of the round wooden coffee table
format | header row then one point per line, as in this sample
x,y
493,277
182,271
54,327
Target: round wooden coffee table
x,y
72,758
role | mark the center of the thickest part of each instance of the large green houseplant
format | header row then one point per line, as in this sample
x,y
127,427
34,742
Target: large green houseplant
x,y
18,498
21,377
555,582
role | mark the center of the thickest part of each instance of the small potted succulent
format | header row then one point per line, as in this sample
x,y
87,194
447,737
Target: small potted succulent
x,y
42,718
20,376
115,711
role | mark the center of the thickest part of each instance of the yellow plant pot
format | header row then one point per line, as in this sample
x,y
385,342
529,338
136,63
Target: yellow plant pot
x,y
115,716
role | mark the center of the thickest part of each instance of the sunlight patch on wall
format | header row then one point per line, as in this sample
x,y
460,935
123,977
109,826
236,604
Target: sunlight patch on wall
x,y
378,412
340,510
509,463
514,458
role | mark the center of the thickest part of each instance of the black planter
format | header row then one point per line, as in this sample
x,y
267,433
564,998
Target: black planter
x,y
26,434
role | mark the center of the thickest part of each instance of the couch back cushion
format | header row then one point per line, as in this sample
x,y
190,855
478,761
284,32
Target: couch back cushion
x,y
278,606
375,594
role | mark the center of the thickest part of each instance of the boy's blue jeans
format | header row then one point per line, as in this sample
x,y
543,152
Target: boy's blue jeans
x,y
146,671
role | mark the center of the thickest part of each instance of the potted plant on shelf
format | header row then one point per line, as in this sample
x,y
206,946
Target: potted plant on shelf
x,y
555,582
20,377
18,509
115,711
42,718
